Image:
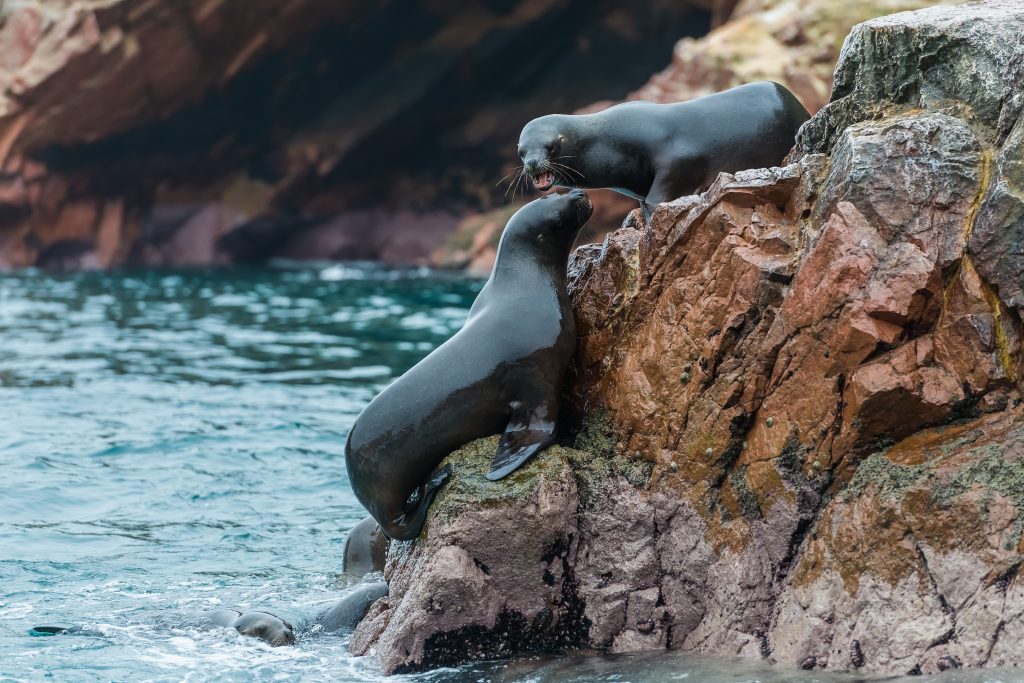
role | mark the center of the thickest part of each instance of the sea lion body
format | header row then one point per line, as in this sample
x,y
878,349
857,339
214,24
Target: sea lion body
x,y
658,152
502,371
346,614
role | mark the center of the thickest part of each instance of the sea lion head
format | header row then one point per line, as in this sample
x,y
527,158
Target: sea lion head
x,y
548,147
550,223
266,627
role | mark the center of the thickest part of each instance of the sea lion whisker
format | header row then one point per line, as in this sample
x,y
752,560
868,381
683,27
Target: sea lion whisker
x,y
520,179
513,171
514,182
567,168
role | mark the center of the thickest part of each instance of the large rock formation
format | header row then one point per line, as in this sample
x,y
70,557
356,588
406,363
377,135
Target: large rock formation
x,y
800,427
212,131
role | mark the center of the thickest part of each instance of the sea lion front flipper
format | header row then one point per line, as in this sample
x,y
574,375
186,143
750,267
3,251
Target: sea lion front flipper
x,y
529,430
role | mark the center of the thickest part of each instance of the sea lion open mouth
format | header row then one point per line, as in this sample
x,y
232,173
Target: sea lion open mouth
x,y
543,180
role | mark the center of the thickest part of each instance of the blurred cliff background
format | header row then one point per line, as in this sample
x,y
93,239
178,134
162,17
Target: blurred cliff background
x,y
199,132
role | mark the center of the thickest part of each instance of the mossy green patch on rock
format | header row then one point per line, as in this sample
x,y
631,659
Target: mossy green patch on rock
x,y
597,435
594,459
991,471
592,462
745,496
469,485
996,475
889,478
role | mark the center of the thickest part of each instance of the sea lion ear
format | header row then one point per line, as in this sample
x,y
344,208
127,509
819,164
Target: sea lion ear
x,y
530,429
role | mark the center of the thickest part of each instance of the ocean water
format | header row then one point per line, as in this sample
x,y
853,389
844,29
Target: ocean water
x,y
171,442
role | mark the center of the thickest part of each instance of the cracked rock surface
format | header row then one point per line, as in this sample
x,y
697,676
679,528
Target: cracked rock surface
x,y
798,430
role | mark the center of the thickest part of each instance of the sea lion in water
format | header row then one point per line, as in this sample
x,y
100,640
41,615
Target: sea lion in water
x,y
346,614
658,152
366,549
502,371
342,618
262,625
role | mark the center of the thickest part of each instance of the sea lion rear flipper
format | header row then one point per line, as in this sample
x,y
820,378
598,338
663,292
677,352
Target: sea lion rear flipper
x,y
527,434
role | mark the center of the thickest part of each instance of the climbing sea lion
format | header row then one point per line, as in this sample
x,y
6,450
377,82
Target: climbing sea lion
x,y
502,371
657,152
366,549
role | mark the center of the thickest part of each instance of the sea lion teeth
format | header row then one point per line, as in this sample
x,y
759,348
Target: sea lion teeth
x,y
502,371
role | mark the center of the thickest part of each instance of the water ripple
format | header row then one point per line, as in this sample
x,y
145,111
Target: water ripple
x,y
172,443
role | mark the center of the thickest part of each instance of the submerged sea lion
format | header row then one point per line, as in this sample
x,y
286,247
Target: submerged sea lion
x,y
366,549
657,152
342,618
502,371
262,625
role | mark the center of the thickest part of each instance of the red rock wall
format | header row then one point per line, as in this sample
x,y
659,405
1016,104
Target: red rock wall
x,y
825,364
216,131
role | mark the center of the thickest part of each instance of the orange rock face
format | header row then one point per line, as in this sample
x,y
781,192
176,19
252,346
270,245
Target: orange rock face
x,y
824,363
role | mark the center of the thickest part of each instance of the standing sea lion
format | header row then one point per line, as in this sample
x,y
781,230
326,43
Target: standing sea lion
x,y
657,152
502,371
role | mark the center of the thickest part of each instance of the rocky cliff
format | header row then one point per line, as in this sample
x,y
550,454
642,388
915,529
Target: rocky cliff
x,y
214,131
799,430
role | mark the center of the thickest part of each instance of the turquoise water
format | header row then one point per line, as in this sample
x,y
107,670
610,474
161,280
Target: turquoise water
x,y
172,442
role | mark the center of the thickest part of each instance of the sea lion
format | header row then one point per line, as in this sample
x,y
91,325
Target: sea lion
x,y
342,618
658,152
366,549
346,614
262,625
502,371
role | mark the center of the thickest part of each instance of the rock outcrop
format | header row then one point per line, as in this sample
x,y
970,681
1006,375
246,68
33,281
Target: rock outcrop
x,y
793,42
214,131
799,426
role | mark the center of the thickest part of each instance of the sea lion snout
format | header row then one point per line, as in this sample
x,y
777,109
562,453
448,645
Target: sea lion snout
x,y
583,204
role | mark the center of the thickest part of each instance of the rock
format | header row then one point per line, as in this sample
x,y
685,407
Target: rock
x,y
793,42
940,59
457,594
850,336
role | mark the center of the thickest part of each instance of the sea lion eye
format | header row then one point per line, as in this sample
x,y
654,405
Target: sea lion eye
x,y
551,146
